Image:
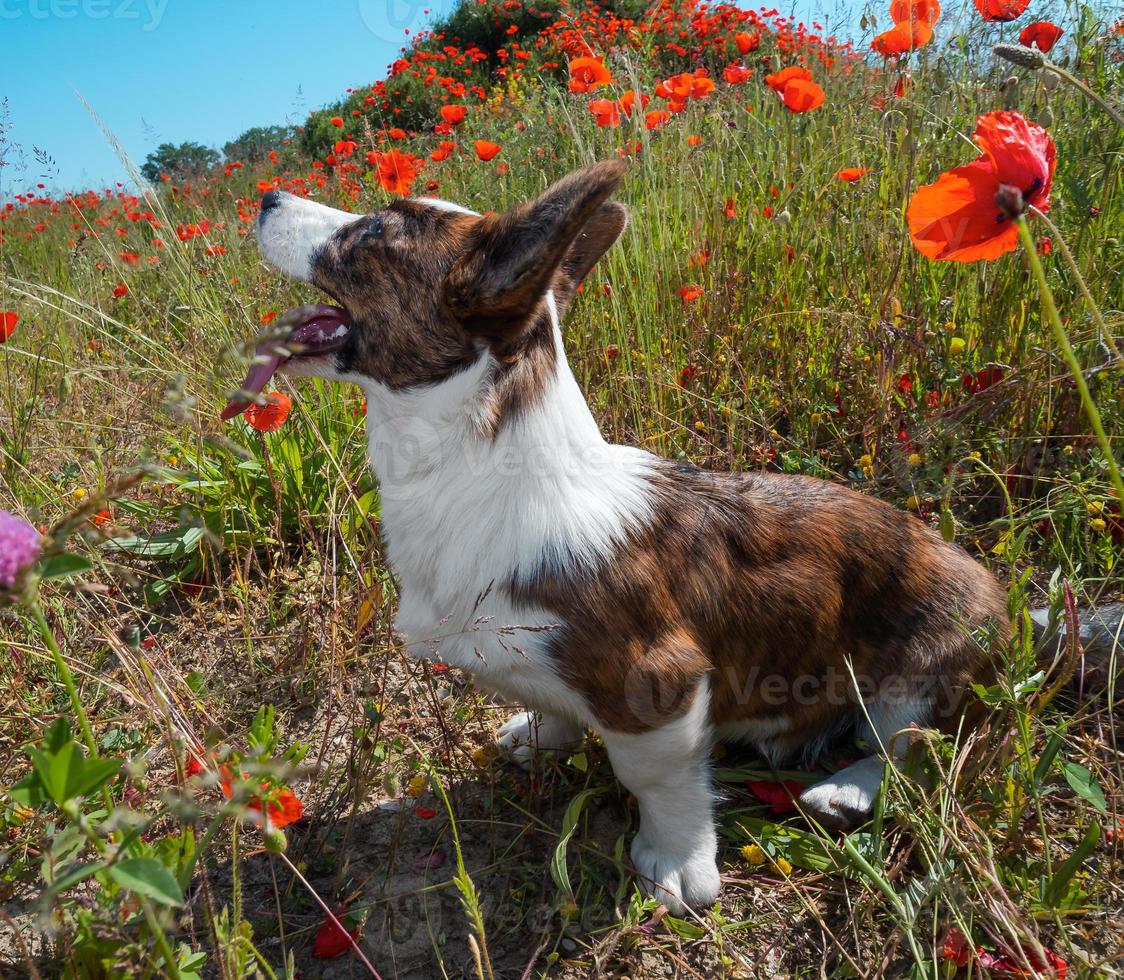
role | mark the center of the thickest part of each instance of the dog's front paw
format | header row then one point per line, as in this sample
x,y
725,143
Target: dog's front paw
x,y
846,799
528,733
678,880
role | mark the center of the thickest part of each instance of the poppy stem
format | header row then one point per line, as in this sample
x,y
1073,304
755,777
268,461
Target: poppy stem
x,y
1086,91
1106,335
1067,352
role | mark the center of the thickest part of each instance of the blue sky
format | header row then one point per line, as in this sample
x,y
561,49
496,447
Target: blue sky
x,y
172,70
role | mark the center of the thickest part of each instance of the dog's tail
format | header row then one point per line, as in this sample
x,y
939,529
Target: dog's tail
x,y
1099,653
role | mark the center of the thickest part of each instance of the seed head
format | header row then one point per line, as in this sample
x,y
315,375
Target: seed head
x,y
1021,56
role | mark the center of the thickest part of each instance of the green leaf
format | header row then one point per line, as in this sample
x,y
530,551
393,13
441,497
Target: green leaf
x,y
1057,893
66,774
1084,784
558,868
148,877
687,930
64,565
30,791
178,543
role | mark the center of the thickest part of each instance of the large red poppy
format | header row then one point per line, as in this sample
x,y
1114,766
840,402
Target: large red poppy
x,y
956,218
1041,34
8,321
270,416
606,112
1001,10
453,114
904,11
778,81
800,95
903,37
487,150
588,74
398,170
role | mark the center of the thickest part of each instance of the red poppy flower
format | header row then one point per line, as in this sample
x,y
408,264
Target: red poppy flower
x,y
283,807
442,152
270,416
701,87
1041,34
337,122
656,118
690,293
906,11
778,81
332,938
425,813
606,112
120,290
851,174
1001,10
903,37
398,170
730,209
781,797
737,74
588,74
956,218
628,101
747,42
1044,245
8,321
802,96
487,150
101,518
454,115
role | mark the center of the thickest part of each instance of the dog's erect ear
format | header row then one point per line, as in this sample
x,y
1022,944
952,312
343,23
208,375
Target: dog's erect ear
x,y
596,238
501,279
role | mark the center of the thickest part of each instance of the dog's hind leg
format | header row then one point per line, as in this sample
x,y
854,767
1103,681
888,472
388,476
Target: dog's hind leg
x,y
666,768
528,733
847,798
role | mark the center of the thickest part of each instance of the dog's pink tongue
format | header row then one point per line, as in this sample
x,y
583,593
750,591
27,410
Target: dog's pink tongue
x,y
312,329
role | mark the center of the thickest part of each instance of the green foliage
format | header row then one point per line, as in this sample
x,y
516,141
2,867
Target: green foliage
x,y
255,143
180,162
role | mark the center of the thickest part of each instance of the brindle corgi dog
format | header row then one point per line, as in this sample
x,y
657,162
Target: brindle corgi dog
x,y
661,605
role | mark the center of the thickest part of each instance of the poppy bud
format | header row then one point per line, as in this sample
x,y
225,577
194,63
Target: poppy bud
x,y
1010,201
275,841
1046,117
1023,57
784,218
1050,81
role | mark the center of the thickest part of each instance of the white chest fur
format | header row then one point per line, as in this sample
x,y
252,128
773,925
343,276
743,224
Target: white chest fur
x,y
464,514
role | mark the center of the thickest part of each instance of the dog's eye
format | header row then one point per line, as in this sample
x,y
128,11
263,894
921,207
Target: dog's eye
x,y
374,228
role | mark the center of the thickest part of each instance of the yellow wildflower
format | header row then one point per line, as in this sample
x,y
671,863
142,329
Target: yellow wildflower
x,y
752,854
78,493
781,864
914,459
416,786
956,345
1097,524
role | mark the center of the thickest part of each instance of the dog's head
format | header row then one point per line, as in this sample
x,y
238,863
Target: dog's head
x,y
426,288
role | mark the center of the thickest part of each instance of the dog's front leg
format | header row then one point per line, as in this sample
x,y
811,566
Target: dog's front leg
x,y
674,852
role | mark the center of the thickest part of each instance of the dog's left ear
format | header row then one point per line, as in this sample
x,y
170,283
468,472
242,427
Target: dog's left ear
x,y
552,241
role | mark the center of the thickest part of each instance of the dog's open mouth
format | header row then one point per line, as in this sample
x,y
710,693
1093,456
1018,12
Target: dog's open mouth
x,y
307,331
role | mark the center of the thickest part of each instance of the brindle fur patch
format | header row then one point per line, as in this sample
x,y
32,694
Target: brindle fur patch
x,y
770,584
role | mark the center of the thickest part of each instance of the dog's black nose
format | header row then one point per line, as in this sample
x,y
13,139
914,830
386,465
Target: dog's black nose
x,y
270,200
